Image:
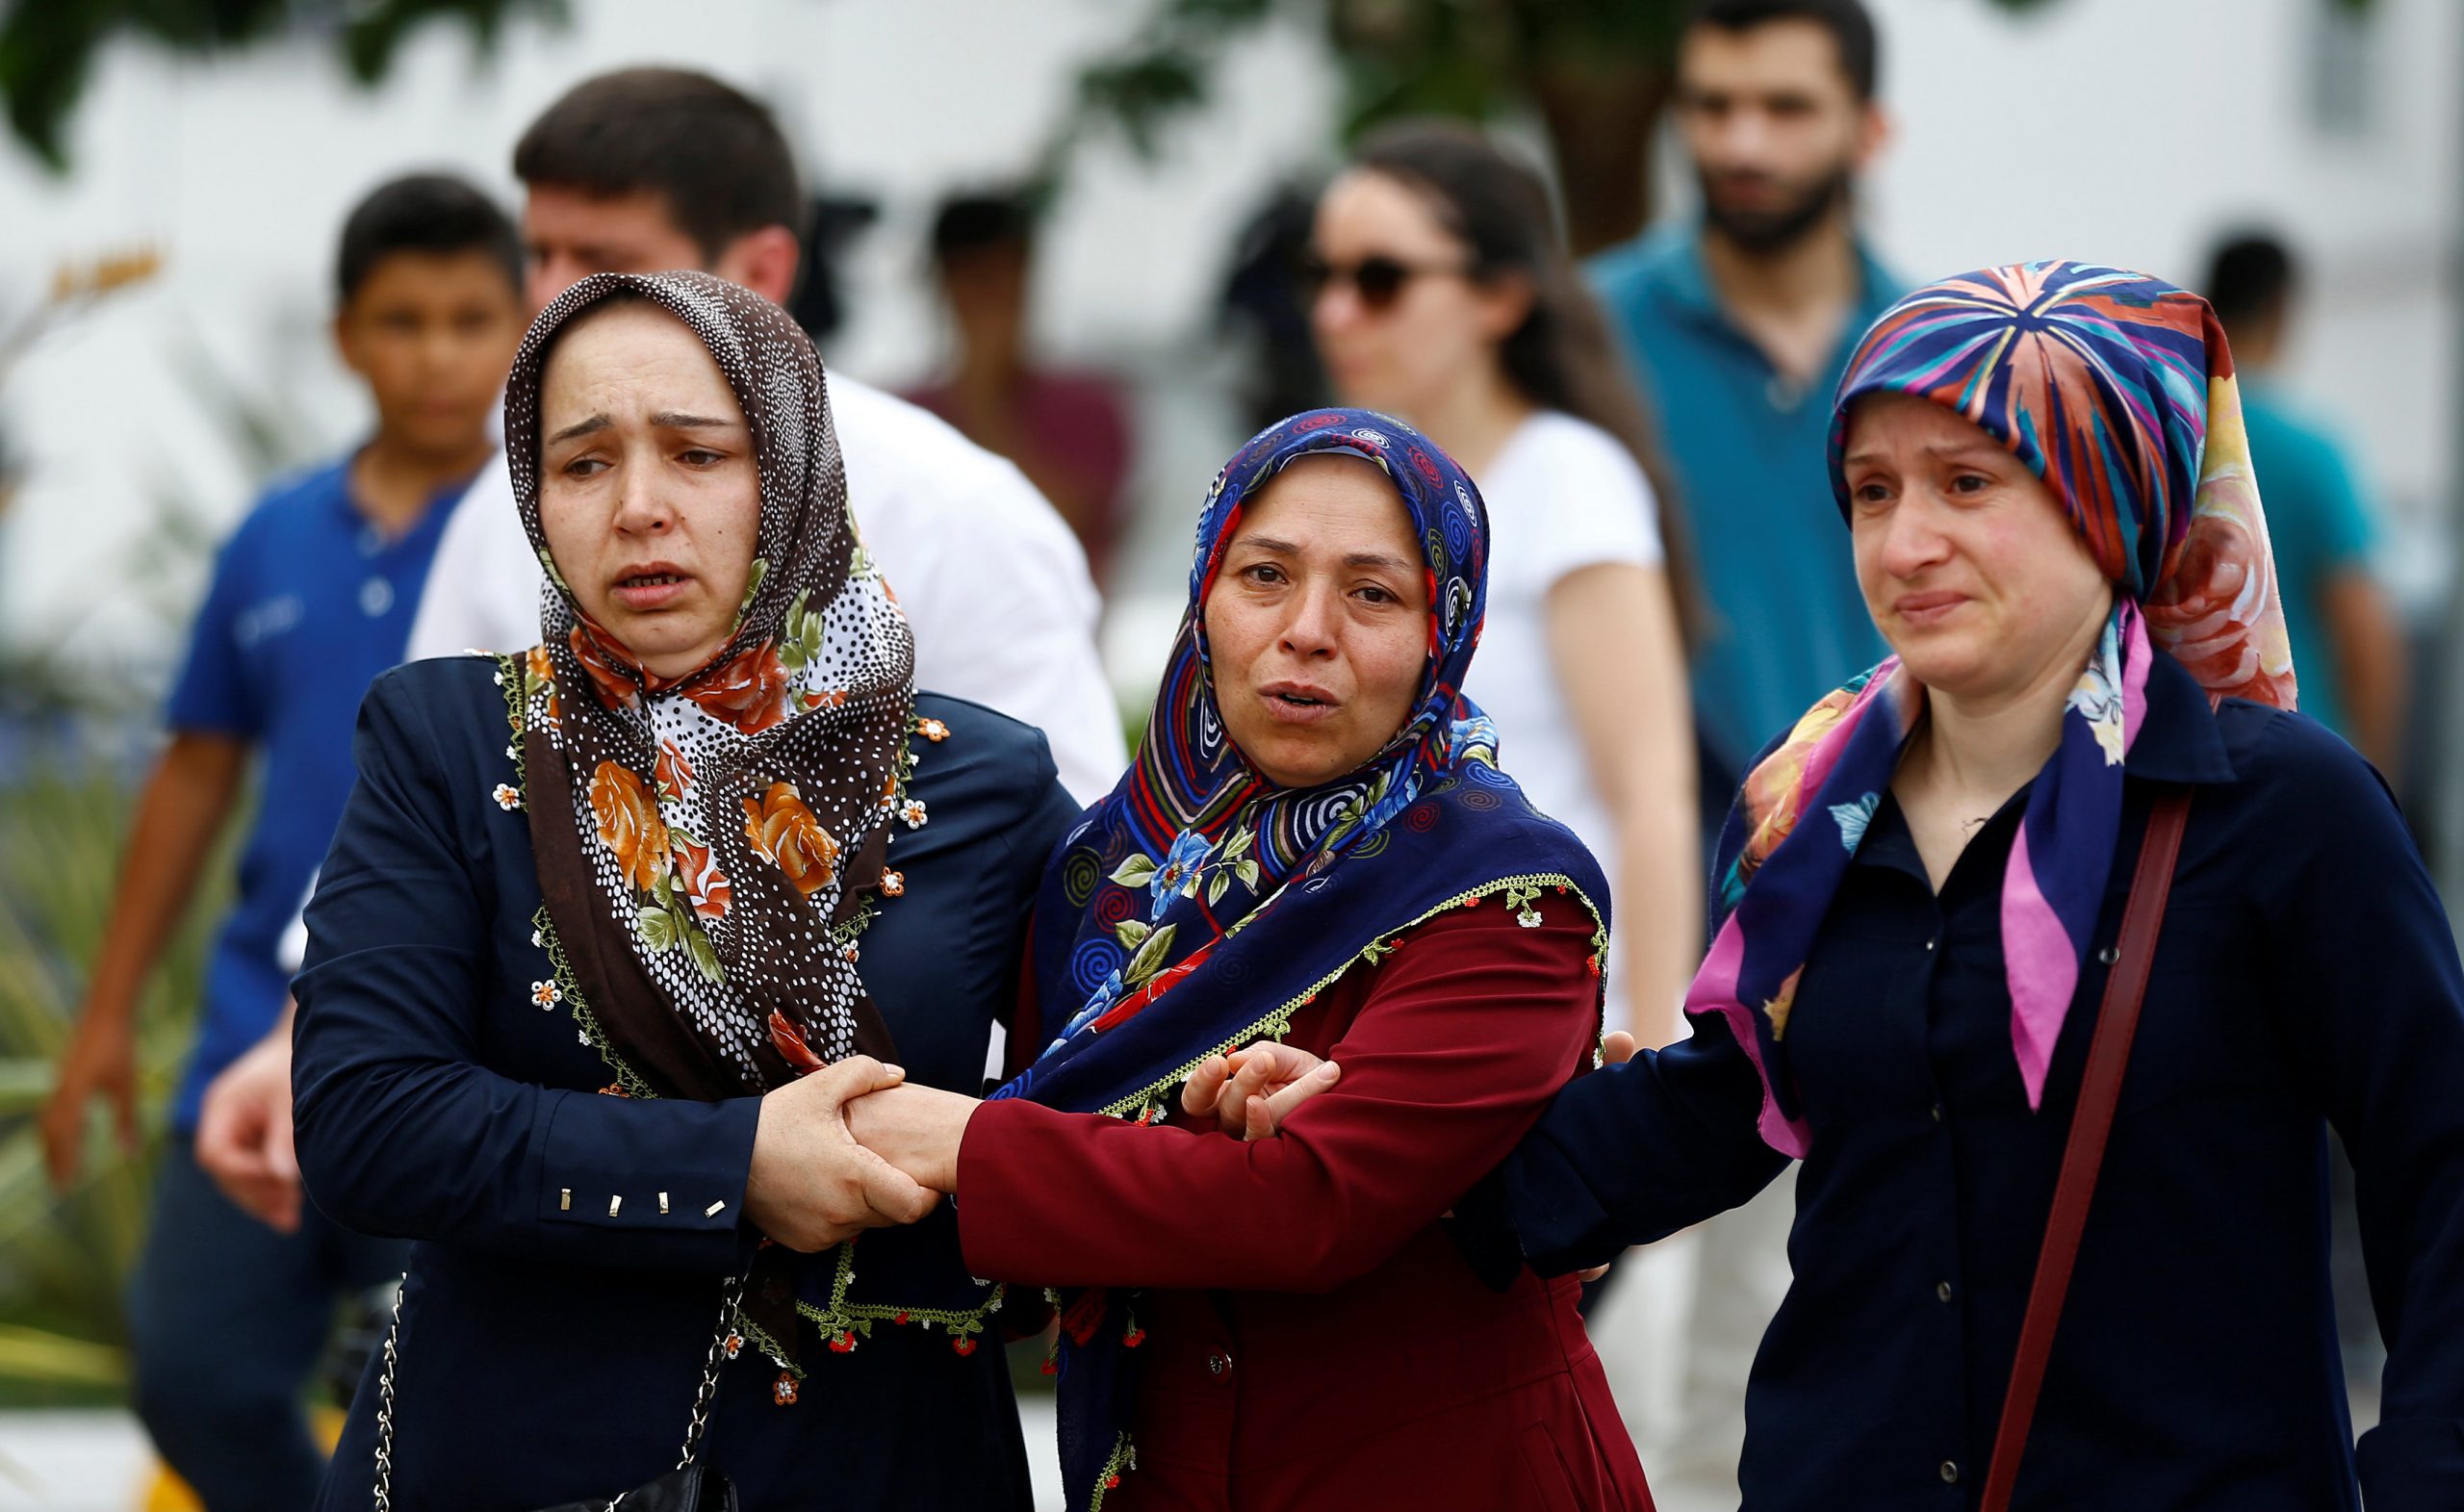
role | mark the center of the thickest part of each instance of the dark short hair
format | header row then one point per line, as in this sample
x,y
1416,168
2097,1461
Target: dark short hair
x,y
2251,278
713,152
434,213
972,222
1850,25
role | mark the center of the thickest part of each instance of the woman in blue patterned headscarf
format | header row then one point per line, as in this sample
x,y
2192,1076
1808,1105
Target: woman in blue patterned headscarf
x,y
1919,900
1314,846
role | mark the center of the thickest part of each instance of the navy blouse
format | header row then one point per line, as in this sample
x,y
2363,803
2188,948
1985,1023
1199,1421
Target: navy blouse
x,y
552,1340
2306,976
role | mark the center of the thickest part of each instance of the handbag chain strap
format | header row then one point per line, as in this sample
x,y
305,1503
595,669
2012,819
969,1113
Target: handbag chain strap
x,y
712,1364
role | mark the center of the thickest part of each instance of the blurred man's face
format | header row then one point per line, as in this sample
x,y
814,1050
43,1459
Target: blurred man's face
x,y
432,334
1774,126
572,233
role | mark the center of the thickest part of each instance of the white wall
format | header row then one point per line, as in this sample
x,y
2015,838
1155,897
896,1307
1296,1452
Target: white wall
x,y
2124,130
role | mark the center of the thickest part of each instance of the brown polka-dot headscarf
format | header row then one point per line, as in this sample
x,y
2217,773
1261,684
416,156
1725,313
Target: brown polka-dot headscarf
x,y
704,844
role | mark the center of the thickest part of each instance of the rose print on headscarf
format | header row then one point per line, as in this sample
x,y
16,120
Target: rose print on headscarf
x,y
608,678
673,773
673,877
2217,612
628,824
786,834
751,692
539,680
697,873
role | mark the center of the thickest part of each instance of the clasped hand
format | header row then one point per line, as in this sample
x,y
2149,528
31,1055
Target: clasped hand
x,y
811,1185
1251,1091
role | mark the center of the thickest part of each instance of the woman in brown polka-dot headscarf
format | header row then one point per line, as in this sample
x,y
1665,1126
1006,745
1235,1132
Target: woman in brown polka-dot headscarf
x,y
704,844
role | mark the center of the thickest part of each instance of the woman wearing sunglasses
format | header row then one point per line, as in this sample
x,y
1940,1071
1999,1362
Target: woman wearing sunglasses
x,y
1442,294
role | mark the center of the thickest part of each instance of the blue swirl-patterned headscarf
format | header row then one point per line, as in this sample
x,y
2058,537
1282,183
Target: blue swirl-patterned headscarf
x,y
1199,906
2118,390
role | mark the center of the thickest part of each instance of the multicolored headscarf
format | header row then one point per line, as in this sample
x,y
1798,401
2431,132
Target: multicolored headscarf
x,y
1199,907
2118,390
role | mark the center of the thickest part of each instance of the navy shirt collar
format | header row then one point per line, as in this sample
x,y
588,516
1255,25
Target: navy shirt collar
x,y
2179,741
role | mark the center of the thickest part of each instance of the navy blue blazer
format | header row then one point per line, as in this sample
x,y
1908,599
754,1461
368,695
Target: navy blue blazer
x,y
550,1352
2306,976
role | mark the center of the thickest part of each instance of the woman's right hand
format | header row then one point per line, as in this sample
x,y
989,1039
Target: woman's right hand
x,y
812,1186
1251,1091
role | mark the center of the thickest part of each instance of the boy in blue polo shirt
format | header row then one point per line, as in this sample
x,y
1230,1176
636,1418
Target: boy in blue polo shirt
x,y
312,598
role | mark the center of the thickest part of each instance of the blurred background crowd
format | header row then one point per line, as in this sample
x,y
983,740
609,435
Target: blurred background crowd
x,y
1097,236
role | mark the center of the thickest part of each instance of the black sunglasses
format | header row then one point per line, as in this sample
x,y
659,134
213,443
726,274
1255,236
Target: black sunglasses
x,y
1378,279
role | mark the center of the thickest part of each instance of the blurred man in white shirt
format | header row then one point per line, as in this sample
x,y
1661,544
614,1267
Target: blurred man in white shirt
x,y
648,169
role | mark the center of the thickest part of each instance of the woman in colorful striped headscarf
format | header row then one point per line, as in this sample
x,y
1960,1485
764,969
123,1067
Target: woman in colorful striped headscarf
x,y
1917,901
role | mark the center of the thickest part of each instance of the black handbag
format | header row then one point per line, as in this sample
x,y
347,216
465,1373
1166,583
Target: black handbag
x,y
689,1487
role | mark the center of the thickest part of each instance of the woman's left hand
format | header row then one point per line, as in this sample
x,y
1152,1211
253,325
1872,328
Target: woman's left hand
x,y
1251,1091
917,1129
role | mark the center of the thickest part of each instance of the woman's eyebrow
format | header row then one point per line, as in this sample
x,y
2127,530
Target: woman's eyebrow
x,y
1275,547
585,427
678,420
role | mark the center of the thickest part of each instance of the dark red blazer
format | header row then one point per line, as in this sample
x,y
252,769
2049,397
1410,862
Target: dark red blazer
x,y
1314,1338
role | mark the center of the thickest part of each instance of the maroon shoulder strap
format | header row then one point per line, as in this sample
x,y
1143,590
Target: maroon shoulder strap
x,y
2083,1154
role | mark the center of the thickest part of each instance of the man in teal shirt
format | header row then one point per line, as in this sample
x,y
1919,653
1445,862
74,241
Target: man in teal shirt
x,y
1738,325
2348,647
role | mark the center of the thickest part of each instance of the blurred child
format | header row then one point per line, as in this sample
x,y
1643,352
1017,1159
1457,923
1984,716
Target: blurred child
x,y
311,597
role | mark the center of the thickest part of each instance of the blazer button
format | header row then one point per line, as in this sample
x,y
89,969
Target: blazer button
x,y
1942,1290
1950,1474
1219,1363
